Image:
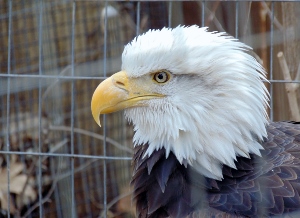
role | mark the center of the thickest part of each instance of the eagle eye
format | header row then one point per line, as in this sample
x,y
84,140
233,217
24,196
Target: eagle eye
x,y
161,77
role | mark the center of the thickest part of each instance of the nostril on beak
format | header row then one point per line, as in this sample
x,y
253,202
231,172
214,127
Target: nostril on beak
x,y
120,80
120,83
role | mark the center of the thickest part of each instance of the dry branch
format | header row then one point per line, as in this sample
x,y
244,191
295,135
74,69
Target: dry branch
x,y
291,88
92,134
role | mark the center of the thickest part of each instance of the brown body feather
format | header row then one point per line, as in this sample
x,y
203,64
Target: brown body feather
x,y
260,186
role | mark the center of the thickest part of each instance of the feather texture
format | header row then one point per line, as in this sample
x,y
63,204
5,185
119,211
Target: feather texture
x,y
259,186
203,141
204,69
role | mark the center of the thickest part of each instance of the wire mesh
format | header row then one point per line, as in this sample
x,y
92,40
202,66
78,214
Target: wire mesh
x,y
54,53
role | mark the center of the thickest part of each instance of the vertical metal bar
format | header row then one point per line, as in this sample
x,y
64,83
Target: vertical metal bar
x,y
170,14
84,174
58,204
40,36
104,116
203,13
8,103
72,109
236,19
138,17
271,61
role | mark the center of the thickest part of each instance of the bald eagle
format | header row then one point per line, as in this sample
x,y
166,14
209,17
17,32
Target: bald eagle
x,y
203,142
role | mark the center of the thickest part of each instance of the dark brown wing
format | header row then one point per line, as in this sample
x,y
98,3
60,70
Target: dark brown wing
x,y
260,186
264,186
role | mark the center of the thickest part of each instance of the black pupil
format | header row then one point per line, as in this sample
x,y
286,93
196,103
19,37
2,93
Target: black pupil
x,y
160,76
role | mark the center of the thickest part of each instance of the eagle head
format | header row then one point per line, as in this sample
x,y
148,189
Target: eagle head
x,y
197,94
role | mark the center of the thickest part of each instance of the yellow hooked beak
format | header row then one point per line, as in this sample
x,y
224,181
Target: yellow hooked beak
x,y
118,92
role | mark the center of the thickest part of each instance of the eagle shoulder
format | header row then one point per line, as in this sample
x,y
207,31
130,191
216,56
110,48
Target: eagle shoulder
x,y
259,186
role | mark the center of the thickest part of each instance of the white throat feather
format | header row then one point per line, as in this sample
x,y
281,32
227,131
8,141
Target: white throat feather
x,y
215,104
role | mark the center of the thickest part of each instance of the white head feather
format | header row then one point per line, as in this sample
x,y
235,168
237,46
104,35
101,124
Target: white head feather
x,y
215,107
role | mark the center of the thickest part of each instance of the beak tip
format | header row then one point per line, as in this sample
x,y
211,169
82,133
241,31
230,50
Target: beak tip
x,y
98,122
97,118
